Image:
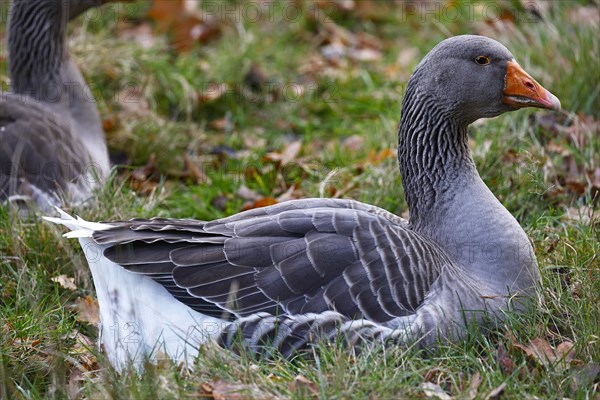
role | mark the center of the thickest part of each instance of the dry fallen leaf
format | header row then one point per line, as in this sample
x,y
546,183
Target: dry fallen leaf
x,y
287,155
212,91
434,390
181,19
222,124
507,365
263,202
109,124
375,157
141,178
474,385
303,385
221,390
81,351
541,352
191,171
87,311
65,282
497,392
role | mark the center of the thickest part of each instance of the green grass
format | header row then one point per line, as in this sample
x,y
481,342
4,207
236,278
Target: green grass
x,y
518,155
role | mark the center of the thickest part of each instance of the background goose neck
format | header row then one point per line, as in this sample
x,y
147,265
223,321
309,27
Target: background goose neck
x,y
36,45
41,69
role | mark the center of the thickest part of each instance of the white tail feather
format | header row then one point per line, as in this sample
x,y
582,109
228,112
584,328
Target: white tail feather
x,y
139,318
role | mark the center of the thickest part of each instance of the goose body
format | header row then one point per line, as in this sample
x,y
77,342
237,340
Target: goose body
x,y
52,142
283,276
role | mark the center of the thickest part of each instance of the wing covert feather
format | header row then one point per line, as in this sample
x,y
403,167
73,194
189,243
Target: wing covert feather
x,y
302,256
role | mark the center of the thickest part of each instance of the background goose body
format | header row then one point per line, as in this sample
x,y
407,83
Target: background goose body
x,y
303,270
52,142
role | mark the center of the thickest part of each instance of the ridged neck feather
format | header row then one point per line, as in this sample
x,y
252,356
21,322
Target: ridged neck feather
x,y
41,70
433,152
38,55
36,45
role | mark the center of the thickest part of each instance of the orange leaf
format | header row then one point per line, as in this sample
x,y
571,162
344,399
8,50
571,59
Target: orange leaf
x,y
178,18
264,202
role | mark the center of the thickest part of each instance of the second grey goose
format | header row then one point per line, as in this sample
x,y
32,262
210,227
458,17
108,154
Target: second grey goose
x,y
311,269
52,144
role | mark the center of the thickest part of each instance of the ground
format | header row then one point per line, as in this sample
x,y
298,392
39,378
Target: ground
x,y
238,105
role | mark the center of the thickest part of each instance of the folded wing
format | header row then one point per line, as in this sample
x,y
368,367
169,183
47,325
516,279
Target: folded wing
x,y
298,257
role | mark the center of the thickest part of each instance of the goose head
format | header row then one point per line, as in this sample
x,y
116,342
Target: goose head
x,y
474,77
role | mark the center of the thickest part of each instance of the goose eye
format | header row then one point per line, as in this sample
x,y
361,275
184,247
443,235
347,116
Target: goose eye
x,y
482,60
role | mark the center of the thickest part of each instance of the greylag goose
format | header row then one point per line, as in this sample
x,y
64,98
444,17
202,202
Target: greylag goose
x,y
303,270
52,142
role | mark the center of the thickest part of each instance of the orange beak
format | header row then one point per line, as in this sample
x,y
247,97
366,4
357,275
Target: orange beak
x,y
521,90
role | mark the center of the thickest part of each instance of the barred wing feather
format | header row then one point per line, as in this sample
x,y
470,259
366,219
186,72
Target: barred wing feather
x,y
305,256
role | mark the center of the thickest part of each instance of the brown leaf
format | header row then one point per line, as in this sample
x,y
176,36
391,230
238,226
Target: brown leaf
x,y
375,157
180,18
565,351
474,385
166,12
507,365
434,390
497,392
264,202
222,124
81,351
287,155
76,378
140,178
541,352
538,350
65,282
109,124
213,91
576,185
304,386
206,388
191,171
220,390
88,311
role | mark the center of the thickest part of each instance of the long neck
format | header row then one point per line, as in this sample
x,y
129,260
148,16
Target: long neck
x,y
449,203
40,67
36,45
433,152
39,62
